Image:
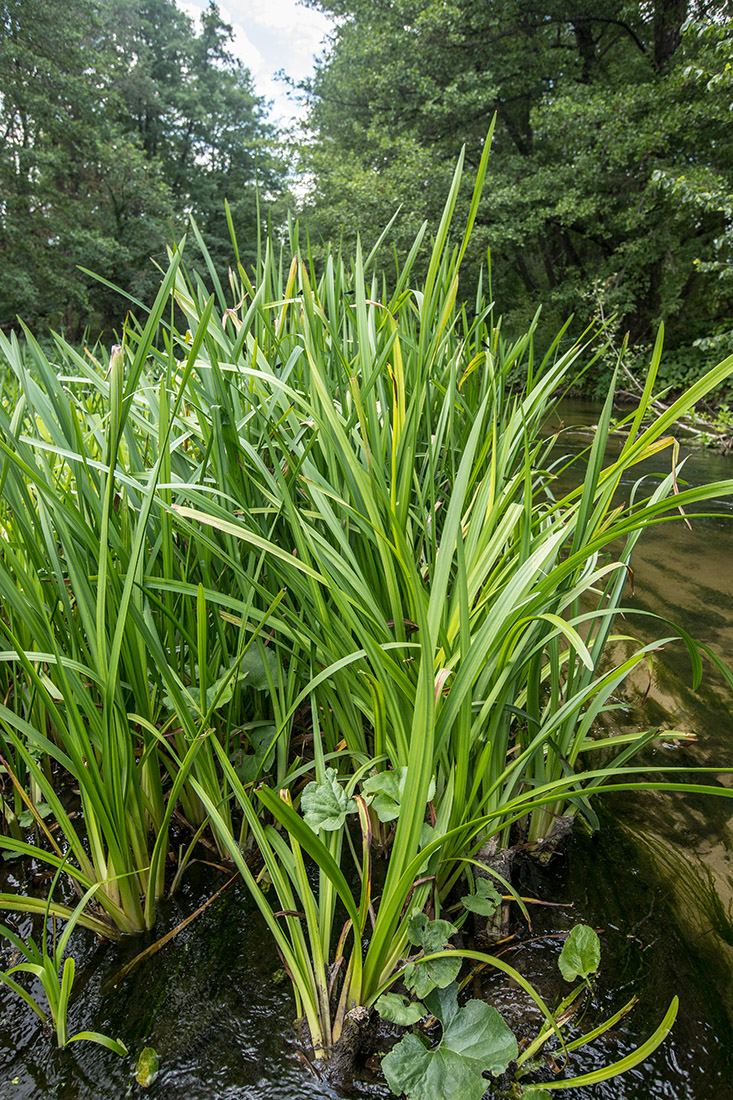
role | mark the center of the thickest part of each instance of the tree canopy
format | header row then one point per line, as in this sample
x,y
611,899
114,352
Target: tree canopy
x,y
610,178
115,127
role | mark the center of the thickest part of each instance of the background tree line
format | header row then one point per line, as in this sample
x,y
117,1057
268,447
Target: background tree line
x,y
611,185
119,118
611,178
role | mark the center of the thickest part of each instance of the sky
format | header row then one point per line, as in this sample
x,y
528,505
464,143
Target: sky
x,y
270,35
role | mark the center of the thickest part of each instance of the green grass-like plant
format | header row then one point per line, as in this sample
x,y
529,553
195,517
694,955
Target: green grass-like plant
x,y
297,568
46,962
453,613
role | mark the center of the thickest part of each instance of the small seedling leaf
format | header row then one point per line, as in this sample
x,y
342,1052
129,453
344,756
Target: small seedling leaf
x,y
253,668
396,1009
251,672
432,935
386,791
422,977
325,805
148,1067
261,739
26,818
485,901
581,953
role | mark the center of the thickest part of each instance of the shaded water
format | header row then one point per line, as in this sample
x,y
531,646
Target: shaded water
x,y
657,881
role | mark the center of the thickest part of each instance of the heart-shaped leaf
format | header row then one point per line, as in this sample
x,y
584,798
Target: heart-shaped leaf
x,y
581,953
475,1038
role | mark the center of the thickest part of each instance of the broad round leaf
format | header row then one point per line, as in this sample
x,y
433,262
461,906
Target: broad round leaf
x,y
476,1039
325,805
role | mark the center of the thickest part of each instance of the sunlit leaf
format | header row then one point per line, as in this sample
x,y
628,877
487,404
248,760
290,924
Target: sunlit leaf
x,y
147,1067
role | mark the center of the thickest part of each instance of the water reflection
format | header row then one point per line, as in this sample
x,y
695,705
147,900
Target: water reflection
x,y
684,574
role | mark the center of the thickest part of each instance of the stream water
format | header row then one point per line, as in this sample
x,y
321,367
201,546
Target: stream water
x,y
656,881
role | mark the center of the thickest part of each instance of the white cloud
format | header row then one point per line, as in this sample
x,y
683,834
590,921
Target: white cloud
x,y
241,46
285,16
270,35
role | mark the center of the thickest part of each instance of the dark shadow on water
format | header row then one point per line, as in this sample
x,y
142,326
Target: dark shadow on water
x,y
215,1006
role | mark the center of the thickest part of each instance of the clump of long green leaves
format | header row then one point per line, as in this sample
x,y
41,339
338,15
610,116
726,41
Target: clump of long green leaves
x,y
344,492
106,687
454,612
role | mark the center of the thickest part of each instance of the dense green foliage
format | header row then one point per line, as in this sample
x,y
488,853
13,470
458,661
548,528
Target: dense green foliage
x,y
305,570
113,131
296,561
610,183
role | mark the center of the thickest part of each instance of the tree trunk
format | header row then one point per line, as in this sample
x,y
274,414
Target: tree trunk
x,y
669,15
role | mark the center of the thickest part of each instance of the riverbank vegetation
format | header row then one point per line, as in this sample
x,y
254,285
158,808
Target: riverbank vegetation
x,y
295,569
609,194
291,571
